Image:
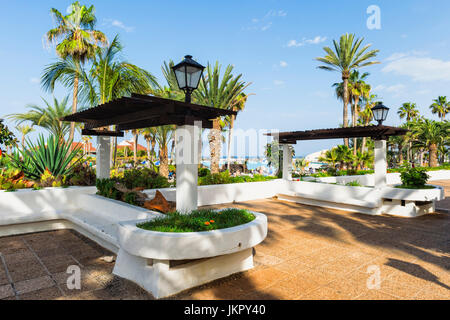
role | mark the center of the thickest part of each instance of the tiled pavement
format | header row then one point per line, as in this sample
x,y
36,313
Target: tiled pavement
x,y
310,253
34,266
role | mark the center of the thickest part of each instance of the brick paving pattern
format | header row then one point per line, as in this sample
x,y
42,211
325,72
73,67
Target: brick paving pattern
x,y
309,253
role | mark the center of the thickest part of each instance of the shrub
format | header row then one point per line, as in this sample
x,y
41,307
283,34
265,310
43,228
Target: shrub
x,y
414,177
203,172
353,183
105,188
82,175
143,178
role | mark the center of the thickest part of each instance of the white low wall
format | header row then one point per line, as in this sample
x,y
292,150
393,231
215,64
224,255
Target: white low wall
x,y
228,193
369,180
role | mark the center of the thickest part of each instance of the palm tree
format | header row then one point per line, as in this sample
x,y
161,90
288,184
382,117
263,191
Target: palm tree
x,y
440,107
150,138
111,78
86,140
330,157
362,159
430,135
238,107
344,156
409,111
399,143
366,116
347,57
24,130
164,134
135,133
358,89
223,93
47,117
79,41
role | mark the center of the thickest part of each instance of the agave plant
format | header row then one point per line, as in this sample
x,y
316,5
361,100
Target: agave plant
x,y
53,156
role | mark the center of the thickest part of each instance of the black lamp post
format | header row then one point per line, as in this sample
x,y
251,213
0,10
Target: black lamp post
x,y
188,73
380,113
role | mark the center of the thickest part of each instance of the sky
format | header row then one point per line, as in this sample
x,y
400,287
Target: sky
x,y
273,44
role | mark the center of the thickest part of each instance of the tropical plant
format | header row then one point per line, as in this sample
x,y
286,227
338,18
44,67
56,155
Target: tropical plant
x,y
347,56
413,177
430,135
150,137
51,155
301,164
78,43
47,117
331,157
345,156
440,107
223,92
366,115
409,111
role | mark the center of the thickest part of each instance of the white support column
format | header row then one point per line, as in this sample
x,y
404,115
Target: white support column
x,y
103,157
186,147
380,163
287,162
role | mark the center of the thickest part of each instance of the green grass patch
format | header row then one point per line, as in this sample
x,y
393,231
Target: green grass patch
x,y
415,187
199,220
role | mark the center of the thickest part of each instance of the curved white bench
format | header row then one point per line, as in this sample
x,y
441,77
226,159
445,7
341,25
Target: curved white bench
x,y
154,260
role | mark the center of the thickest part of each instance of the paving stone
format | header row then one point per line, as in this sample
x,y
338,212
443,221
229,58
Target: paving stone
x,y
6,291
30,285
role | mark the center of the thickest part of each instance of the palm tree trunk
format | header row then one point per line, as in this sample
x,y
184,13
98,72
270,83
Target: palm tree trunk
x,y
153,148
230,138
149,154
215,144
135,147
433,155
355,107
345,110
74,108
164,162
400,155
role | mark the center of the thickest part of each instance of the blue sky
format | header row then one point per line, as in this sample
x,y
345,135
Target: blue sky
x,y
272,43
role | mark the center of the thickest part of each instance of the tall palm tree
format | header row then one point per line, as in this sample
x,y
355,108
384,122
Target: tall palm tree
x,y
366,116
150,138
223,92
86,140
347,56
111,78
409,111
79,41
47,117
24,130
238,107
164,134
440,107
359,89
431,134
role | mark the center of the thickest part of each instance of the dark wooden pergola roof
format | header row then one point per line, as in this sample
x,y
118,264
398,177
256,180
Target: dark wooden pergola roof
x,y
376,132
141,111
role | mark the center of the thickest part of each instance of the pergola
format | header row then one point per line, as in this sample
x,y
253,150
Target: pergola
x,y
379,133
141,111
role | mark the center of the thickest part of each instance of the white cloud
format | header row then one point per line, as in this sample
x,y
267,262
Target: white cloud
x,y
278,82
315,40
34,80
420,69
118,24
276,13
266,27
283,64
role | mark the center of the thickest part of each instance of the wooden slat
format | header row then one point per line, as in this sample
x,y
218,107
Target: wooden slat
x,y
106,133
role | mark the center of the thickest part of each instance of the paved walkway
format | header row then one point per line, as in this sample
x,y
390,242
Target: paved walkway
x,y
310,253
34,266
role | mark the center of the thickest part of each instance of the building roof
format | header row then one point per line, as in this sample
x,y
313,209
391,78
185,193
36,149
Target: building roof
x,y
376,132
142,111
87,147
